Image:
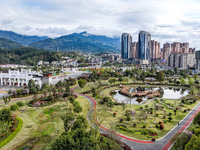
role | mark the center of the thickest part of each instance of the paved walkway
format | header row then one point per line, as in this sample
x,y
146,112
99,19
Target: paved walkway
x,y
160,144
18,99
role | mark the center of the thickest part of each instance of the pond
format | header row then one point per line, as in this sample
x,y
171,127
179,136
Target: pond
x,y
166,93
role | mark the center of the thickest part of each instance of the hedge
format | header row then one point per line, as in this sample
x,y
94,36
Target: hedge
x,y
12,135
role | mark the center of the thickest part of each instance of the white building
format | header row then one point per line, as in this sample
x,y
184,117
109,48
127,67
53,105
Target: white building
x,y
20,78
40,63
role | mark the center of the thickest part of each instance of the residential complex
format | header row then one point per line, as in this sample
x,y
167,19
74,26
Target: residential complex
x,y
175,47
146,50
181,60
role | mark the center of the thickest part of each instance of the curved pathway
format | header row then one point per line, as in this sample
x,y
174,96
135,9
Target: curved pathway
x,y
18,99
160,144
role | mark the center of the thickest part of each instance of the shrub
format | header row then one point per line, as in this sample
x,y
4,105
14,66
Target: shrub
x,y
170,114
71,99
176,108
170,118
128,118
153,139
3,135
185,110
188,109
13,129
157,126
144,126
114,114
14,122
134,124
106,99
165,121
151,112
144,132
161,126
20,104
14,107
160,122
157,115
12,135
121,120
164,117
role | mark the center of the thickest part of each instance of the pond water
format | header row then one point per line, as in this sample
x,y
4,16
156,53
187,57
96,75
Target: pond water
x,y
166,93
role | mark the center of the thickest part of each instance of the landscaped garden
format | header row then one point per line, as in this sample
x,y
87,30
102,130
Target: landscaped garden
x,y
55,113
154,119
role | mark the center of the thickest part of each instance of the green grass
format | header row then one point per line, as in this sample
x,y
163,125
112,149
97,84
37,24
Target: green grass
x,y
44,123
109,120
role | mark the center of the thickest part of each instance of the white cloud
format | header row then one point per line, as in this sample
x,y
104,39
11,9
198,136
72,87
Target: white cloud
x,y
166,20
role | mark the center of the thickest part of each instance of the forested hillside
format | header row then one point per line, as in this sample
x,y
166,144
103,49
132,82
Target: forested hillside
x,y
18,38
26,56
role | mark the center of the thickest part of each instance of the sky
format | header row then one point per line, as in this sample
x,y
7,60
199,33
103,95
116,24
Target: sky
x,y
166,20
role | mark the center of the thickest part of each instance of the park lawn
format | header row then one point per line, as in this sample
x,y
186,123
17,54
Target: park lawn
x,y
73,85
111,121
44,124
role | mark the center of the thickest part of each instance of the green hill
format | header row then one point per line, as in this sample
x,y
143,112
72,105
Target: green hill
x,y
22,39
8,44
80,42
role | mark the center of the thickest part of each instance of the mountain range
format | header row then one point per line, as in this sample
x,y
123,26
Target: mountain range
x,y
87,43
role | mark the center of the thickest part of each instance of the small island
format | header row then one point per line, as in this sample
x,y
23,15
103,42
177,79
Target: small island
x,y
139,93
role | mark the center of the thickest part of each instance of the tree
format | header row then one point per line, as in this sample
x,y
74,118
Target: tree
x,y
110,81
5,114
67,118
54,91
190,81
78,109
110,104
195,76
192,90
106,99
82,83
175,70
160,76
6,100
31,84
37,104
114,80
142,76
71,99
120,79
193,144
80,122
20,104
77,139
182,81
197,119
25,91
45,93
14,107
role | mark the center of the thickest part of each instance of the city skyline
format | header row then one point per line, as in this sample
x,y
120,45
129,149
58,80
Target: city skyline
x,y
163,19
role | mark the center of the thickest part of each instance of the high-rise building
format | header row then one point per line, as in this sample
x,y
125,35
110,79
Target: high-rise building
x,y
126,40
181,60
134,49
144,40
165,51
155,50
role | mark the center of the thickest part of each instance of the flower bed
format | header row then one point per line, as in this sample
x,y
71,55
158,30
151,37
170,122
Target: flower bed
x,y
7,139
